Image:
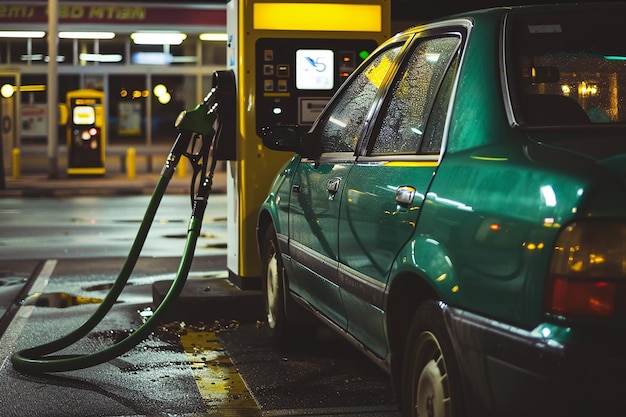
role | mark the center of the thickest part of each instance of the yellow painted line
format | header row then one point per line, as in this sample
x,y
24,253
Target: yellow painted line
x,y
221,387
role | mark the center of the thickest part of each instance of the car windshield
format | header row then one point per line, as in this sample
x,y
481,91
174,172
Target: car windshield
x,y
568,67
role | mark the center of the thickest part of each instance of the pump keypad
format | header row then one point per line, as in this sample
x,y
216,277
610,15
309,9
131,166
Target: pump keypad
x,y
295,78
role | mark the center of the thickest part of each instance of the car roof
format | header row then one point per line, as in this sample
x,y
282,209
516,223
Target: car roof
x,y
500,11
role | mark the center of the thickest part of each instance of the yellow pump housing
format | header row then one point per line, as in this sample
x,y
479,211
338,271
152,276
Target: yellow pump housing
x,y
289,58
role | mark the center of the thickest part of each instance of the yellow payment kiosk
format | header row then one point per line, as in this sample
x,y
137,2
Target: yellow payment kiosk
x,y
85,132
289,58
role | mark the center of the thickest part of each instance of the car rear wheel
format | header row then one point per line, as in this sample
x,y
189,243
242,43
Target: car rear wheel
x,y
431,379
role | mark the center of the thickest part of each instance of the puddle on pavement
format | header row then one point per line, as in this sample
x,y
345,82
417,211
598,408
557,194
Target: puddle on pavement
x,y
83,221
162,221
214,246
111,336
206,235
59,300
131,221
100,287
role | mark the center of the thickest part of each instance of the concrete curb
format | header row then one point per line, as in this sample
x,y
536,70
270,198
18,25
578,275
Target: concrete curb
x,y
210,300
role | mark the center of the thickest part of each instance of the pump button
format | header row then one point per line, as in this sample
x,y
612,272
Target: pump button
x,y
282,70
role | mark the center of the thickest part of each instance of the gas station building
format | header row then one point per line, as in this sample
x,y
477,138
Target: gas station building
x,y
151,61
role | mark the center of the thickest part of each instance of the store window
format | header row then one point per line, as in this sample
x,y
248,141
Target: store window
x,y
127,109
21,51
112,51
168,97
213,53
65,51
183,54
34,109
91,51
34,106
137,114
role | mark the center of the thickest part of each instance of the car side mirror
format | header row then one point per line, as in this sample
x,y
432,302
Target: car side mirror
x,y
281,137
290,138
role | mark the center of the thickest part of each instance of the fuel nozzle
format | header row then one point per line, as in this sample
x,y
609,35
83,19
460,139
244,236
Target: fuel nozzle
x,y
200,120
190,124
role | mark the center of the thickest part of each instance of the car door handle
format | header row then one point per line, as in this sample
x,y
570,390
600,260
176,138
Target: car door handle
x,y
332,185
405,195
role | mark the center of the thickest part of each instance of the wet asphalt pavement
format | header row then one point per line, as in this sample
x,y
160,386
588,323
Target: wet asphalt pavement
x,y
207,358
326,378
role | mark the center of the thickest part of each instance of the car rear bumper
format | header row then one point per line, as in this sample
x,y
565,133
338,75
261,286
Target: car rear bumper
x,y
515,372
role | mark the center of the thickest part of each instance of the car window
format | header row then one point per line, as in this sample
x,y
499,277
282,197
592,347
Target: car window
x,y
434,133
412,95
568,68
341,125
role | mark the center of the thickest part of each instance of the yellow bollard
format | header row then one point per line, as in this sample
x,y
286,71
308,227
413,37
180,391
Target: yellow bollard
x,y
181,168
17,168
131,166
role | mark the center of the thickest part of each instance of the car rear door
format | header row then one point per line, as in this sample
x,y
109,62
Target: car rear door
x,y
386,187
319,184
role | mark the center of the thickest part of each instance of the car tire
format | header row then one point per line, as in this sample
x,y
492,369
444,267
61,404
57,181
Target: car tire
x,y
431,382
283,333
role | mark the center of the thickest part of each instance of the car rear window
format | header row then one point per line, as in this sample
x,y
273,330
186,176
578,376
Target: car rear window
x,y
568,68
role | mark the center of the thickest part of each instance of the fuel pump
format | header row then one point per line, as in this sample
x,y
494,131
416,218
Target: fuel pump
x,y
289,58
85,132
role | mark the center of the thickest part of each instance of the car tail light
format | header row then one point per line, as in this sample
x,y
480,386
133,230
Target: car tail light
x,y
588,268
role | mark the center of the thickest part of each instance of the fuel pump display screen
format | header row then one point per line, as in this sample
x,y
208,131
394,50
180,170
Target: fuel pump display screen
x,y
83,115
295,78
315,69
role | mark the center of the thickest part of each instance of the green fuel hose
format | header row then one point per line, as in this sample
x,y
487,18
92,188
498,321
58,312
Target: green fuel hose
x,y
35,359
38,360
199,121
32,360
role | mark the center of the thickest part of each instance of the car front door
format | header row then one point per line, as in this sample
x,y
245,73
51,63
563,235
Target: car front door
x,y
386,187
318,186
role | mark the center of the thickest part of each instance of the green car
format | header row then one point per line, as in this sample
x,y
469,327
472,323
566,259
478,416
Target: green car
x,y
458,212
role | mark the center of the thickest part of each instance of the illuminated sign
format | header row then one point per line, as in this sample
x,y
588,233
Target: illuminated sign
x,y
106,14
334,17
